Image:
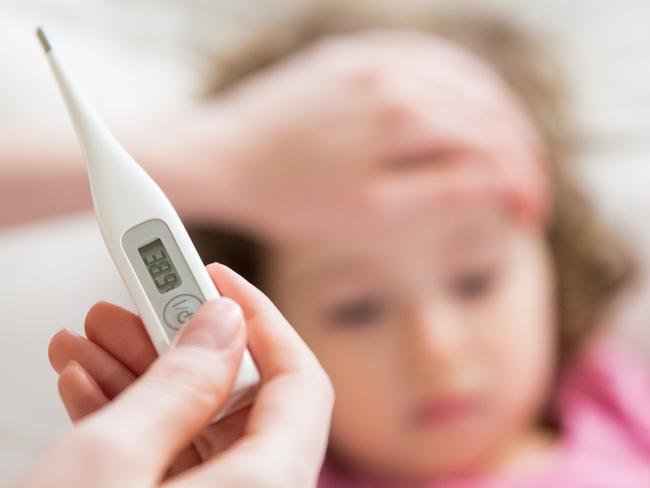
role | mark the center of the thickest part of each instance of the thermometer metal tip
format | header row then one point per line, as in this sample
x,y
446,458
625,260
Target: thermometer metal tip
x,y
102,152
42,37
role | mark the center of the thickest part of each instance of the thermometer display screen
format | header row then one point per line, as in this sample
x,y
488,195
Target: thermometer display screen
x,y
160,266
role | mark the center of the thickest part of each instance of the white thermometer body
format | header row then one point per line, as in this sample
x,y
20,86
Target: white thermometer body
x,y
145,236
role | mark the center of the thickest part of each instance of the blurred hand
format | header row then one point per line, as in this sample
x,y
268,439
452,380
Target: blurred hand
x,y
143,421
359,127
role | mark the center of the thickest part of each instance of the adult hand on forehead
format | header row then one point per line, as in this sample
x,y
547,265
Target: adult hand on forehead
x,y
373,125
143,421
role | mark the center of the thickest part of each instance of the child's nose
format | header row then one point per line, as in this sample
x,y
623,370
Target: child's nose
x,y
436,336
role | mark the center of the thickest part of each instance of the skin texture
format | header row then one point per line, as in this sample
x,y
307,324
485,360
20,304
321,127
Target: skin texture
x,y
438,337
360,127
430,305
455,136
156,429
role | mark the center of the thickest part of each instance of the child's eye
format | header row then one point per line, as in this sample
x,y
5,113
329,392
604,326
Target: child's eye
x,y
356,313
472,285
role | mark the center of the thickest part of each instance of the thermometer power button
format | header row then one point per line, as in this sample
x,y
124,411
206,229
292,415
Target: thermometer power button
x,y
180,309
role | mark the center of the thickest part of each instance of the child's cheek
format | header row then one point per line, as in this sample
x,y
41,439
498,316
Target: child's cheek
x,y
366,416
520,355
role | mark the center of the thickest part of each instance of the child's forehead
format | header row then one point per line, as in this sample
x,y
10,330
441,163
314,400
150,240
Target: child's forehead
x,y
365,248
421,111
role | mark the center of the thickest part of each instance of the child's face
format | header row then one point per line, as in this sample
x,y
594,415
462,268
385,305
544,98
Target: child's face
x,y
437,336
437,327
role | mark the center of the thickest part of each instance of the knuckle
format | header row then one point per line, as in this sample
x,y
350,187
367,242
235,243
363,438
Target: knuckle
x,y
395,110
392,103
338,57
368,77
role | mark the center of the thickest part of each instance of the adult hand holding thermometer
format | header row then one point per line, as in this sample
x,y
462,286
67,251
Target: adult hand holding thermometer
x,y
144,235
152,430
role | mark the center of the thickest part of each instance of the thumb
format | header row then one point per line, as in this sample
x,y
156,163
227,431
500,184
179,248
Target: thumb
x,y
160,414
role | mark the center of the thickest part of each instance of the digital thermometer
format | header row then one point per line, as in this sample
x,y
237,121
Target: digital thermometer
x,y
145,236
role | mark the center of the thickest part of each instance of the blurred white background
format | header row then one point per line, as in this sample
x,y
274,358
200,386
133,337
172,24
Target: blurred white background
x,y
141,58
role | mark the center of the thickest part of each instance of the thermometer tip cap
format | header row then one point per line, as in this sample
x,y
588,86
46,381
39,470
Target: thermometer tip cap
x,y
45,42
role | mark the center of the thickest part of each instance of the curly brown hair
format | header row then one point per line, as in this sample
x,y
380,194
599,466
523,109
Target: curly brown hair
x,y
591,264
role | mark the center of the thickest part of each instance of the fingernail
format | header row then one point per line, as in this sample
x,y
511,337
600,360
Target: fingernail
x,y
214,326
72,333
68,332
70,365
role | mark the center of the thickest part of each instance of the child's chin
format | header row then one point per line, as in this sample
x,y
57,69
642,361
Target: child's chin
x,y
464,456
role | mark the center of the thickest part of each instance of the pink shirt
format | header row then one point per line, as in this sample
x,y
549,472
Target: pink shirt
x,y
603,405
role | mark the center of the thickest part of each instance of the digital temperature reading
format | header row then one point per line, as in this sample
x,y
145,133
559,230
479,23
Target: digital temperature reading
x,y
160,266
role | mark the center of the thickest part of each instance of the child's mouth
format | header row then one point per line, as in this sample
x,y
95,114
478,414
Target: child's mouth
x,y
445,410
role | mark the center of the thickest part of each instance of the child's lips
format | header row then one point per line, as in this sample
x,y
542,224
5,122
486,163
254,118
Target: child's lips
x,y
445,410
